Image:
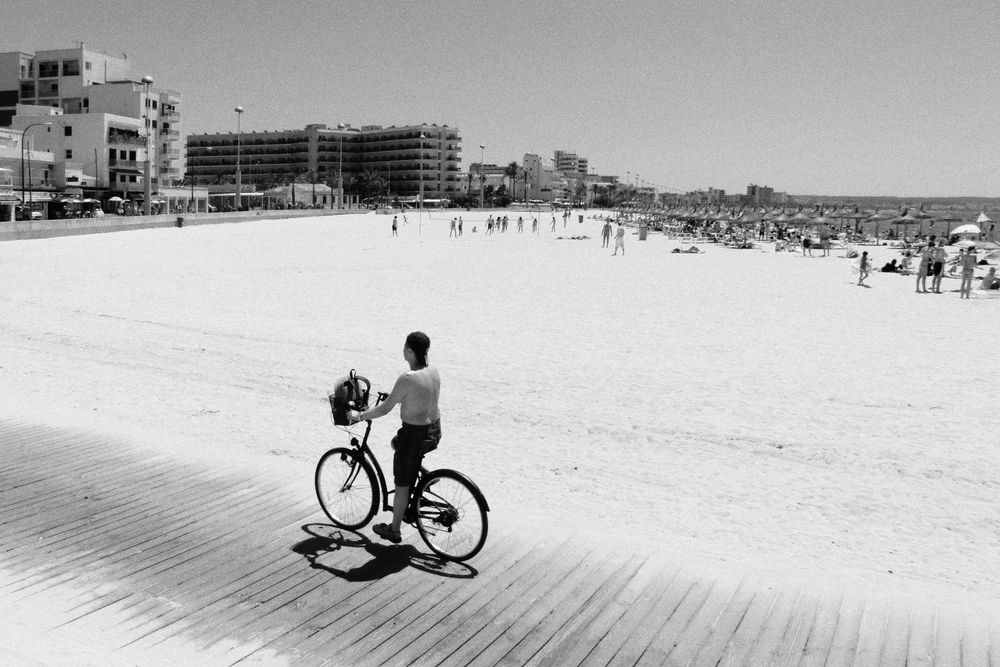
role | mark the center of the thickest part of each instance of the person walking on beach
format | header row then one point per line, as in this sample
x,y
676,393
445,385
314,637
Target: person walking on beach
x,y
620,239
606,234
416,391
459,225
454,229
863,268
938,257
923,269
520,224
553,223
807,245
534,225
968,264
395,226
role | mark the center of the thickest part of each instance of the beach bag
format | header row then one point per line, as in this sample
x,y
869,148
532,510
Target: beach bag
x,y
350,393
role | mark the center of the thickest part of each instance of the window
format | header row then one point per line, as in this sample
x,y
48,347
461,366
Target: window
x,y
27,89
88,66
131,179
71,68
69,154
154,124
48,68
154,104
68,131
131,155
86,102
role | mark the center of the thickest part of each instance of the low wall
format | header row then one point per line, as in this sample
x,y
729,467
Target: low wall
x,y
42,229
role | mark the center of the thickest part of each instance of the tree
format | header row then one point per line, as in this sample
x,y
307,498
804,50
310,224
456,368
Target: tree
x,y
510,171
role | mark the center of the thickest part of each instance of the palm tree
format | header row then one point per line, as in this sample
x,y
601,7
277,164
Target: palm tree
x,y
510,171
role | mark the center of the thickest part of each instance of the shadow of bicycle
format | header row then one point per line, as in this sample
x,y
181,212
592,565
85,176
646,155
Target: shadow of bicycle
x,y
386,559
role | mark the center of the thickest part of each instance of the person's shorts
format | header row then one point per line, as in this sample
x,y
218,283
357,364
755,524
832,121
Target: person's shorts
x,y
936,268
411,443
620,243
807,243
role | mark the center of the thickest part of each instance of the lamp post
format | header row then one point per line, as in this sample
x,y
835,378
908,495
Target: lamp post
x,y
147,182
340,167
24,132
420,216
482,176
238,196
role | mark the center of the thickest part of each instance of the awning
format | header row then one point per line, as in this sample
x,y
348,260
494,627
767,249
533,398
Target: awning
x,y
38,196
124,170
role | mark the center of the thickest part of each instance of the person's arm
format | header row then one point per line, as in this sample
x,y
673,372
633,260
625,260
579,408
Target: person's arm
x,y
395,397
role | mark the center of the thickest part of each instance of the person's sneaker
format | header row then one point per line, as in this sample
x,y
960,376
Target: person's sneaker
x,y
386,532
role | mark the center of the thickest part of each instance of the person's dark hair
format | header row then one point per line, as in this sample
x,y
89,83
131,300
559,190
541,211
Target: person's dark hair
x,y
419,342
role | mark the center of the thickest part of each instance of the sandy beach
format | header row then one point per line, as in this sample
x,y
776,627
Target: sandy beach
x,y
739,408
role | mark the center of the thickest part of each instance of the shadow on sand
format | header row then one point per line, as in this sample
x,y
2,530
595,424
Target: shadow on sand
x,y
386,559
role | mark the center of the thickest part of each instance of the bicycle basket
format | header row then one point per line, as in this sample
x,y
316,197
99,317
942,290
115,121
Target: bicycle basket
x,y
350,393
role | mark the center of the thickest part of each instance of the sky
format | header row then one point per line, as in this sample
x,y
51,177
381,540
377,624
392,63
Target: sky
x,y
838,97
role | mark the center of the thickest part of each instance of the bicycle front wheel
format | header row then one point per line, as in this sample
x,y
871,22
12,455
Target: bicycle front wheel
x,y
346,487
451,515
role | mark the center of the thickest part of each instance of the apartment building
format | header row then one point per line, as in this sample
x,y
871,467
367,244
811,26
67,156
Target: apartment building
x,y
570,164
103,118
373,160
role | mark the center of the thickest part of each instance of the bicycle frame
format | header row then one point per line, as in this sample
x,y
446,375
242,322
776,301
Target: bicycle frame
x,y
367,452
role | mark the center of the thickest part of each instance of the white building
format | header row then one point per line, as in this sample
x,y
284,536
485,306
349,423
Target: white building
x,y
102,119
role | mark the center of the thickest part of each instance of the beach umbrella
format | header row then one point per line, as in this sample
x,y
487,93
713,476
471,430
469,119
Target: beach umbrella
x,y
115,199
983,218
967,229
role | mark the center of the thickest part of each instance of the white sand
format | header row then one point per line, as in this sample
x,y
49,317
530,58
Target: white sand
x,y
738,408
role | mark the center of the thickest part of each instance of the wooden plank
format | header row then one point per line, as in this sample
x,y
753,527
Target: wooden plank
x,y
752,625
897,636
845,636
920,650
947,640
792,645
651,588
976,641
383,637
520,609
670,632
871,632
581,633
459,620
704,626
645,632
384,632
824,626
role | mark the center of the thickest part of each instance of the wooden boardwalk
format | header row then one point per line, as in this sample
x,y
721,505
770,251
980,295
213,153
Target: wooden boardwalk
x,y
150,560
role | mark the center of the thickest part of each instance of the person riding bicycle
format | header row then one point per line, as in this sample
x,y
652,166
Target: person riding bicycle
x,y
416,391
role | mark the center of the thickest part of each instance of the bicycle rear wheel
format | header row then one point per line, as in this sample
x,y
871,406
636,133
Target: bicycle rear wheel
x,y
451,515
346,487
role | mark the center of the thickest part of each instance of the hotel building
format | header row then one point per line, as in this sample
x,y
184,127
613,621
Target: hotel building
x,y
402,156
101,120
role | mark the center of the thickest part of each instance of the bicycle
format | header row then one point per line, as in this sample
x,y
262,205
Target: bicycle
x,y
447,507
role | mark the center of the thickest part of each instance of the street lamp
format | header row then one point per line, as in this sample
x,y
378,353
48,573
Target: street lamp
x,y
482,176
23,132
238,197
147,183
340,166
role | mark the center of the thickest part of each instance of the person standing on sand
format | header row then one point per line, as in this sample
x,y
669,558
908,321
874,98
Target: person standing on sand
x,y
968,264
620,240
395,226
553,223
459,225
606,234
520,224
938,257
534,225
923,269
454,229
417,392
863,269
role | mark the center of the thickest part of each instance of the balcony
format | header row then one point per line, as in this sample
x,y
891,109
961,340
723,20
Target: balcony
x,y
172,135
119,164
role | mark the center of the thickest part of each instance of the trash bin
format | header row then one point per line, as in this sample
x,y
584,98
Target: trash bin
x,y
642,233
580,220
